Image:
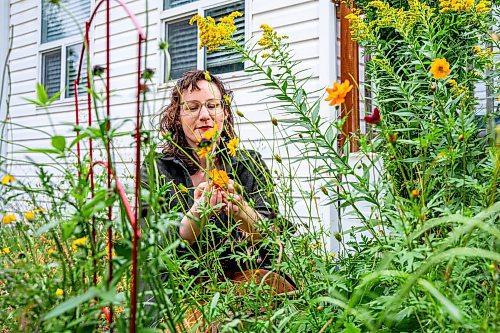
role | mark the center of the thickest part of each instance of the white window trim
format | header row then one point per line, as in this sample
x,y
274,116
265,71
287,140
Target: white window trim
x,y
187,11
62,44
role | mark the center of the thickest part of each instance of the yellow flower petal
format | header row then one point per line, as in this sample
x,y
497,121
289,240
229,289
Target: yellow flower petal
x,y
440,68
29,216
8,179
8,219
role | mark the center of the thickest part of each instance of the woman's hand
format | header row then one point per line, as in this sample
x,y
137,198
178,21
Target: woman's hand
x,y
189,229
206,190
234,202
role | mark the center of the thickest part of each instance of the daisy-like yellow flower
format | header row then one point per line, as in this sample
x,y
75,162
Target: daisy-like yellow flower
x,y
209,135
440,68
78,242
5,250
59,292
337,94
8,179
232,145
8,219
29,216
227,100
204,151
219,177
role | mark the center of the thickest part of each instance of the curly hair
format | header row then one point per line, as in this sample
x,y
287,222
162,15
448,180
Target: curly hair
x,y
170,121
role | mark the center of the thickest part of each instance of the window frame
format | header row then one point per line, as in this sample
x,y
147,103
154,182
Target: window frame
x,y
60,44
188,10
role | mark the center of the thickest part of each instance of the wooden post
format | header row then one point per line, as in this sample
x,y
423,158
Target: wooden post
x,y
349,70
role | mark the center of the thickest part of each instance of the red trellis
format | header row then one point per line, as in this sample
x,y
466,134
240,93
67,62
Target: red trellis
x,y
132,214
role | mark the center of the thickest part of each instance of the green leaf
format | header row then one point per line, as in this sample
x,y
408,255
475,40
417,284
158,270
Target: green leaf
x,y
41,94
42,150
72,303
214,302
350,328
46,227
59,142
54,97
452,309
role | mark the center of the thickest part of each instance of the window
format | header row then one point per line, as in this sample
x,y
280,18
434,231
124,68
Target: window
x,y
183,38
60,45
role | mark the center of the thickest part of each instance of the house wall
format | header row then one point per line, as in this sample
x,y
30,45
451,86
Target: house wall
x,y
4,79
310,24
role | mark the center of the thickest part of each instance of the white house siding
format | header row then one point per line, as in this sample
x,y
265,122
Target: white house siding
x,y
309,24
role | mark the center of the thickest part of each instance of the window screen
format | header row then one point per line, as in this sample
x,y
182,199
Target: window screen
x,y
57,24
175,3
51,71
182,40
223,62
72,60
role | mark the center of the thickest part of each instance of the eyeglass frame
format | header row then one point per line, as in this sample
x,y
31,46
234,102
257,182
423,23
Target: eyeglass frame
x,y
221,104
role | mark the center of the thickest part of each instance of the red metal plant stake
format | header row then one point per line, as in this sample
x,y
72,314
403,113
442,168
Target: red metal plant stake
x,y
133,217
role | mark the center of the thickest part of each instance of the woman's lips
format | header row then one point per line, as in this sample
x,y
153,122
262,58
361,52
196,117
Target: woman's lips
x,y
204,128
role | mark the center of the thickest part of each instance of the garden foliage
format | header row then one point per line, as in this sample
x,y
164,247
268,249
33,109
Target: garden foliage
x,y
425,259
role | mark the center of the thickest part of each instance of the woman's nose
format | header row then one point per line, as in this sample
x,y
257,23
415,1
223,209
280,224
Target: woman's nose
x,y
204,114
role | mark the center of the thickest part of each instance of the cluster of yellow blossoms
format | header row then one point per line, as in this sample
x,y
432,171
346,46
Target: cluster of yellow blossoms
x,y
78,243
270,40
387,17
482,7
214,35
457,89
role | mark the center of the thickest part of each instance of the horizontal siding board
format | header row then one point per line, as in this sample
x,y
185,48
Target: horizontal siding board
x,y
262,6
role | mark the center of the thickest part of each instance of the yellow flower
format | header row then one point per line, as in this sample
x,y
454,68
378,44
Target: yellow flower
x,y
440,68
337,94
232,145
8,219
266,28
210,133
29,216
219,177
207,76
214,35
59,292
477,49
204,151
78,242
5,250
50,251
227,100
8,179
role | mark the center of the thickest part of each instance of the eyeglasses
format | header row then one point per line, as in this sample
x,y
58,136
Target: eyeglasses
x,y
194,107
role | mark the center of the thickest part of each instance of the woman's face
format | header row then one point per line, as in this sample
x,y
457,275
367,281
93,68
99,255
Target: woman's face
x,y
200,111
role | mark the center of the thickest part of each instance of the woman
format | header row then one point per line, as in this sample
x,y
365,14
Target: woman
x,y
225,199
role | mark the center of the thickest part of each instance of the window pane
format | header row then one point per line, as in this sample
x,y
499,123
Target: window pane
x,y
51,71
175,3
224,62
57,24
182,41
72,61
